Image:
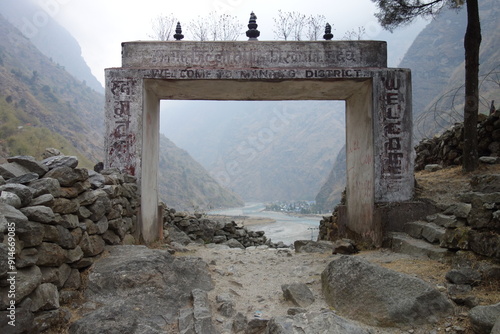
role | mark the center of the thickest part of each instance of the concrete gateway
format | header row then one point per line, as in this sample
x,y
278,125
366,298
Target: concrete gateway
x,y
378,109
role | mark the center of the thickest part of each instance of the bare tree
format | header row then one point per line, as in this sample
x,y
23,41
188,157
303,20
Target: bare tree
x,y
291,26
198,29
283,25
220,27
352,35
315,27
163,27
227,27
393,14
298,20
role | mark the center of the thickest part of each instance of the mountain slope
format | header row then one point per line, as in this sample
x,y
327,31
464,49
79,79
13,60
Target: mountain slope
x,y
42,105
45,95
436,59
54,41
184,184
262,150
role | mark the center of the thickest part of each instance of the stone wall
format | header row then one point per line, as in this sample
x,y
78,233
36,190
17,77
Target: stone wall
x,y
473,223
184,227
55,219
446,149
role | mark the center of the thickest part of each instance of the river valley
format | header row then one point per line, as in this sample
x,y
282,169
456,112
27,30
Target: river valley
x,y
278,226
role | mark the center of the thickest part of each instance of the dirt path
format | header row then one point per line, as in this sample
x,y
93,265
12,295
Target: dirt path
x,y
253,279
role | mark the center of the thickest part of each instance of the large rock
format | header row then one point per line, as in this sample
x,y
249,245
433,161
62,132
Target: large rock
x,y
378,296
10,199
65,206
45,298
60,161
39,213
12,170
51,255
483,318
30,164
485,243
309,246
24,321
135,278
68,176
30,233
313,323
11,214
92,245
489,183
46,185
467,276
27,280
23,192
201,312
298,293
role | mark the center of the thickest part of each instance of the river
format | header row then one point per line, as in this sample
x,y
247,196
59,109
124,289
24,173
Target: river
x,y
286,228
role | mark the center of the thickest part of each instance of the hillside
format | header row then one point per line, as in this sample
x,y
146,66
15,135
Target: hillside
x,y
436,59
38,93
49,37
262,150
184,184
42,105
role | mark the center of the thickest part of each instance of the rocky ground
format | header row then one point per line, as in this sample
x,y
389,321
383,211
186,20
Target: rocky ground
x,y
253,277
246,284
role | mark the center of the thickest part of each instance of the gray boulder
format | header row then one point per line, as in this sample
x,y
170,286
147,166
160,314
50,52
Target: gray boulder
x,y
464,276
298,293
11,170
23,192
135,278
10,199
378,296
496,327
30,164
313,323
233,243
46,185
309,246
68,176
483,318
11,214
45,298
39,213
60,161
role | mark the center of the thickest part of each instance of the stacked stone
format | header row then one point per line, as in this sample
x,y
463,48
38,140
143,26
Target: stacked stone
x,y
474,223
57,219
446,149
329,225
202,230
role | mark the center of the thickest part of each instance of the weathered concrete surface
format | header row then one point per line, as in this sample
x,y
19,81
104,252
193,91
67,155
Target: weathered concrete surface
x,y
378,108
392,142
258,55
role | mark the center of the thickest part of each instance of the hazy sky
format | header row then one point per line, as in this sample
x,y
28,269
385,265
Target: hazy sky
x,y
101,25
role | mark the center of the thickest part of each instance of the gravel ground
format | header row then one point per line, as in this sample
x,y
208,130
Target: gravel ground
x,y
253,279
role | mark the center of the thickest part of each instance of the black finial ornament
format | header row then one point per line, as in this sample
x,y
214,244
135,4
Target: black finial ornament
x,y
252,32
328,32
178,32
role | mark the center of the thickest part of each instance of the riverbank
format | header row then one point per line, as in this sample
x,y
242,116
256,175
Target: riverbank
x,y
277,226
242,220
